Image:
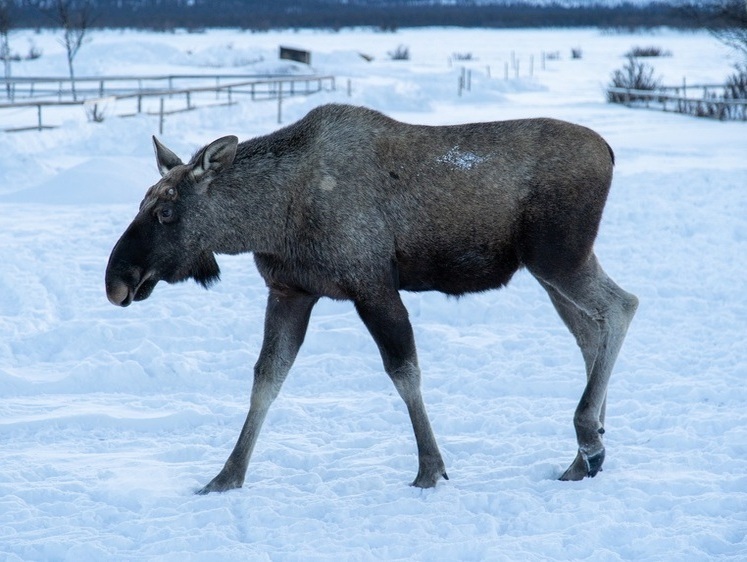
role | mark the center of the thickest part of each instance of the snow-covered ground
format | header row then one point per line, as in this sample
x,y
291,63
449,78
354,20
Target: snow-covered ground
x,y
111,418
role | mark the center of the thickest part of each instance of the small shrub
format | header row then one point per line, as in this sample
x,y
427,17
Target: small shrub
x,y
735,89
576,53
94,113
736,84
650,51
635,75
34,52
400,53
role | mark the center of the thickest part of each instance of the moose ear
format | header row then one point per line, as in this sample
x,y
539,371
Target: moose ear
x,y
215,157
165,158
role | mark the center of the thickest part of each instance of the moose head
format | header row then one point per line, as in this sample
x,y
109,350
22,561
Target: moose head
x,y
169,239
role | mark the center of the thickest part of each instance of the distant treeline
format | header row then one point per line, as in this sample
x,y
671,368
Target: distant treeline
x,y
260,15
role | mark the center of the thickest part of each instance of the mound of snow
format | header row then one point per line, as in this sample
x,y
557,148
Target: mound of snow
x,y
95,181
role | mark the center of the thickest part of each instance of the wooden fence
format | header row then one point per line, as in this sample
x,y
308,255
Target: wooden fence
x,y
150,100
679,99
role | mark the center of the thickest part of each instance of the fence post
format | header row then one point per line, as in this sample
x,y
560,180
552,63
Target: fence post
x,y
160,117
280,102
39,115
350,88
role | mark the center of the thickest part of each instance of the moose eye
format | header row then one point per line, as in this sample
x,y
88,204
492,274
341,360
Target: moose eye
x,y
166,214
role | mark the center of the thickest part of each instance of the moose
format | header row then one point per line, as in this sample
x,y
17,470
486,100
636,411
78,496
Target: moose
x,y
350,204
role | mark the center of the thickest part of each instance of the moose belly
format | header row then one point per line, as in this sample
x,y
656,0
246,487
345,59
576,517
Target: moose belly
x,y
456,273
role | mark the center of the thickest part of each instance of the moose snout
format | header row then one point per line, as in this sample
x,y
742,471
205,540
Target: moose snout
x,y
118,293
134,284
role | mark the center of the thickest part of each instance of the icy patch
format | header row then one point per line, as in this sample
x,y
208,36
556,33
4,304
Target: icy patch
x,y
463,160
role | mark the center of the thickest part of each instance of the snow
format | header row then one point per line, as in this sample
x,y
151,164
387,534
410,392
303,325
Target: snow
x,y
111,418
460,159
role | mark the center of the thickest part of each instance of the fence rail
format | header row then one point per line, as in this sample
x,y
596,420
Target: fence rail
x,y
61,88
712,104
170,99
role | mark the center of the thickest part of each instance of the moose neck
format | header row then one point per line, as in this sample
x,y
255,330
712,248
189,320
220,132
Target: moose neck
x,y
248,204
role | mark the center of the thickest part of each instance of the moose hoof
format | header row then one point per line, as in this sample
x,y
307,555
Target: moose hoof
x,y
221,483
429,475
584,465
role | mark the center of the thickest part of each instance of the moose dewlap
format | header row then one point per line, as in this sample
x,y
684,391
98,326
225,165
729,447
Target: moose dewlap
x,y
350,204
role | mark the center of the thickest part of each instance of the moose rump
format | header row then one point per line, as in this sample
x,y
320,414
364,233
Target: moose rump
x,y
350,204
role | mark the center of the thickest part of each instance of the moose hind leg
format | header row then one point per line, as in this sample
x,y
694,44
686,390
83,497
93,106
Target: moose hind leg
x,y
597,312
387,321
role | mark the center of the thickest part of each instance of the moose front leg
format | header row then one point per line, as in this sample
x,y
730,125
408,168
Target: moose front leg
x,y
286,320
387,320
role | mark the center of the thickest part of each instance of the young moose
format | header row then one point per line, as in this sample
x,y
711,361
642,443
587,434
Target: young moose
x,y
350,204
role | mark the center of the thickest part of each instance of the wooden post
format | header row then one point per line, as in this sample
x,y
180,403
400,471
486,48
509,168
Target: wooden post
x,y
350,88
280,102
160,118
39,115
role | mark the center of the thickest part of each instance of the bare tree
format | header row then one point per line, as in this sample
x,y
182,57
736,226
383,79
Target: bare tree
x,y
6,24
728,23
75,18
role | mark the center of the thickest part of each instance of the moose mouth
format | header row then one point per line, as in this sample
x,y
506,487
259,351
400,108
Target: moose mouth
x,y
121,293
